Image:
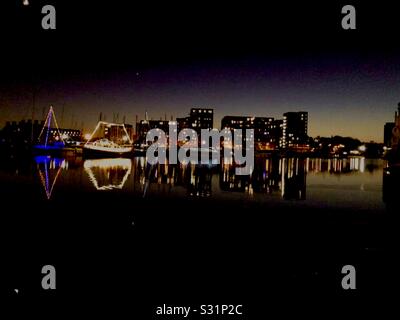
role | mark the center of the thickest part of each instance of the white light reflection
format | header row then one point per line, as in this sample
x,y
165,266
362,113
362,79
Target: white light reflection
x,y
108,174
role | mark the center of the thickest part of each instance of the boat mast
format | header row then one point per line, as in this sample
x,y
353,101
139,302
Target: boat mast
x,y
33,112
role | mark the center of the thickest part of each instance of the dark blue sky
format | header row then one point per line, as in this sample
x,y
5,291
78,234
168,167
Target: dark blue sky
x,y
239,60
352,95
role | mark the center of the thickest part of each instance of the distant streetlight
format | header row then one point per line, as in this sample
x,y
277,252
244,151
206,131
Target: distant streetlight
x,y
362,148
26,3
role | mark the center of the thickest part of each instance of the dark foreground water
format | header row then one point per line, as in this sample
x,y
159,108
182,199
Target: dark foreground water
x,y
130,237
354,183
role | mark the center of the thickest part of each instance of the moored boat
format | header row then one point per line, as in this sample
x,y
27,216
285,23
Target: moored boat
x,y
108,139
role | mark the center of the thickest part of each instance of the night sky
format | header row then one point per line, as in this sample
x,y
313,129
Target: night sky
x,y
239,60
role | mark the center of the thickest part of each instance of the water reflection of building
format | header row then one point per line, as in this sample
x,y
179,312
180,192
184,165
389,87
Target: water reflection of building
x,y
287,176
229,181
336,165
195,179
270,175
200,182
390,188
293,178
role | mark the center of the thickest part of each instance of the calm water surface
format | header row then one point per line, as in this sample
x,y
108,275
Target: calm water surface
x,y
340,183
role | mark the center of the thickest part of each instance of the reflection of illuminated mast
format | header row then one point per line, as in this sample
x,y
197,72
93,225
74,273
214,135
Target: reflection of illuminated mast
x,y
45,177
33,114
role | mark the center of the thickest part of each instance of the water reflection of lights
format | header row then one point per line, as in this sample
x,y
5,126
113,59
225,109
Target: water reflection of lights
x,y
281,177
196,179
362,164
357,164
287,175
281,172
108,174
45,166
336,165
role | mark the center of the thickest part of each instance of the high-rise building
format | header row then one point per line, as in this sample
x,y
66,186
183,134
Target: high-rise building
x,y
267,131
237,122
201,118
143,126
183,123
396,129
387,134
23,131
295,129
277,135
263,129
160,124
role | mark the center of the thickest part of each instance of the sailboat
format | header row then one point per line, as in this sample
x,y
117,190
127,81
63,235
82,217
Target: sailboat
x,y
109,140
50,139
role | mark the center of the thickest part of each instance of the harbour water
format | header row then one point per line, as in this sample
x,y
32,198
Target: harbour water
x,y
350,183
292,225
